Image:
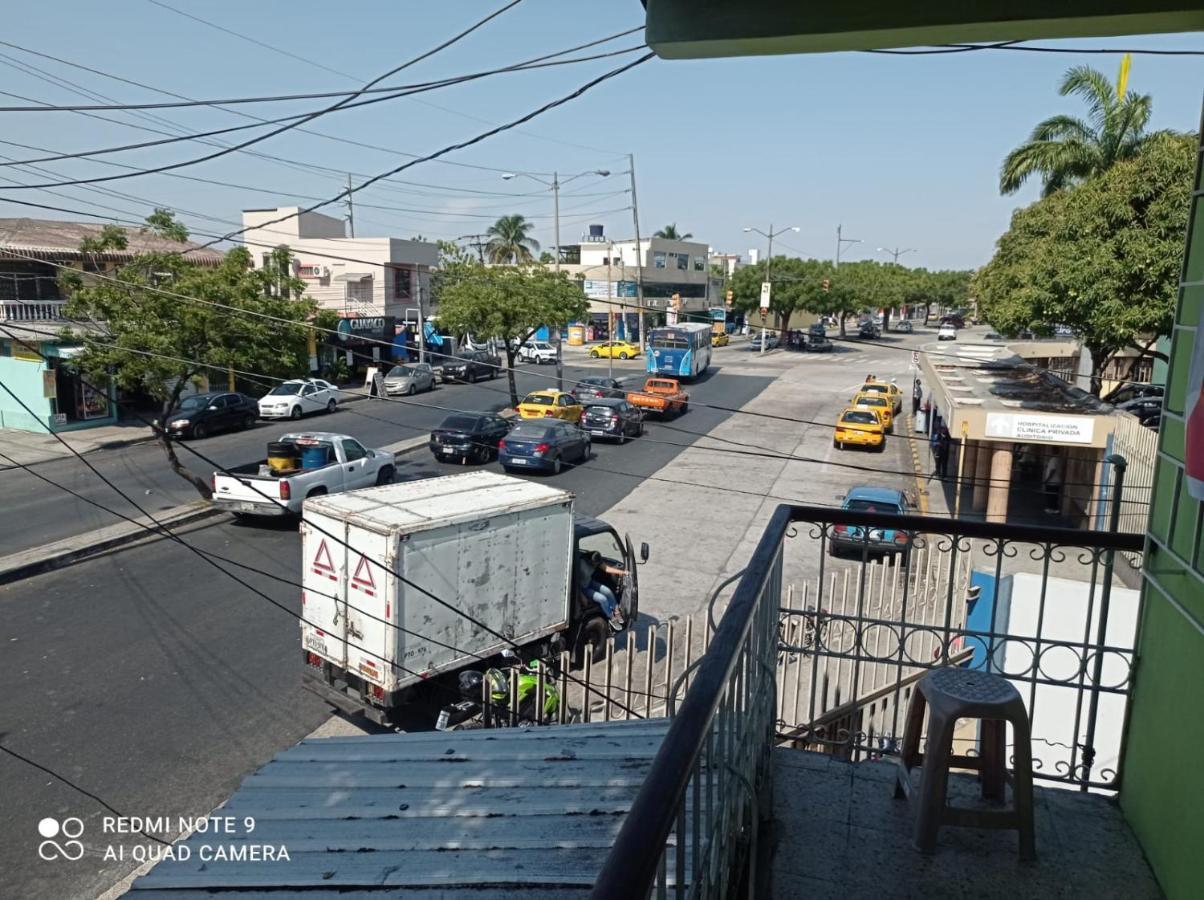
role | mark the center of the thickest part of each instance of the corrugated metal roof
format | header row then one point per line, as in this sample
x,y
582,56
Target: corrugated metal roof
x,y
500,813
57,239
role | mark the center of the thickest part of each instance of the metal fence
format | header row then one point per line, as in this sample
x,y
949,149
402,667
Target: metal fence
x,y
824,650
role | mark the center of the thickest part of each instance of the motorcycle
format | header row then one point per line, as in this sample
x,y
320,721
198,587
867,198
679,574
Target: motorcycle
x,y
485,697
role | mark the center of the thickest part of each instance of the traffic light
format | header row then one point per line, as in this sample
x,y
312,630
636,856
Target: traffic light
x,y
827,283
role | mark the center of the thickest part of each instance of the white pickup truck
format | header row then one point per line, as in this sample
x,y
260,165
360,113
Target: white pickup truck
x,y
257,490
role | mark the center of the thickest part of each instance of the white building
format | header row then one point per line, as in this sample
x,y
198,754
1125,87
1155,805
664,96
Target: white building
x,y
355,277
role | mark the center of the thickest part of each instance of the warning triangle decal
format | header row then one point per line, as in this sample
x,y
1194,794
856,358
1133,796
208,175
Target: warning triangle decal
x,y
322,563
362,578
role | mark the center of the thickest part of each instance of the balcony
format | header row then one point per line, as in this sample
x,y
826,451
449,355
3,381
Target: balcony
x,y
32,311
775,775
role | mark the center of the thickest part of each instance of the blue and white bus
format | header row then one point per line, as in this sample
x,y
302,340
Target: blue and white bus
x,y
681,351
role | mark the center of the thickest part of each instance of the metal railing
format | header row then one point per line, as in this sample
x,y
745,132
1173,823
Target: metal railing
x,y
32,311
837,616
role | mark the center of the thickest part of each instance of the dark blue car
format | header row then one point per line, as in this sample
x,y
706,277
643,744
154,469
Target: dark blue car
x,y
543,444
873,541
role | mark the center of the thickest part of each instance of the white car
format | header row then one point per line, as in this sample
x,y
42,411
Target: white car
x,y
948,332
294,399
538,352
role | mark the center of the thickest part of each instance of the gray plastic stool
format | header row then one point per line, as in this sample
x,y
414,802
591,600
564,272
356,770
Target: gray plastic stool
x,y
952,693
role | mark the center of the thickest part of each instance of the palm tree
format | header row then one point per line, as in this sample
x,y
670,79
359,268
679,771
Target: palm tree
x,y
1064,150
510,240
669,233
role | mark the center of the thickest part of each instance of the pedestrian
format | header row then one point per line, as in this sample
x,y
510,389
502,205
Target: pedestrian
x,y
917,396
942,451
1052,479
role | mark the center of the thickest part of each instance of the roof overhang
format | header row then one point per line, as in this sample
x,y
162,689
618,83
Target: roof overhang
x,y
686,29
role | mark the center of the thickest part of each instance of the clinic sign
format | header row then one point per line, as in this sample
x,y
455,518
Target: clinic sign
x,y
1053,429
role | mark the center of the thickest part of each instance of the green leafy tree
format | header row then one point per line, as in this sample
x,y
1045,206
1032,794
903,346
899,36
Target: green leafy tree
x,y
510,304
189,339
670,233
1064,150
510,241
1102,259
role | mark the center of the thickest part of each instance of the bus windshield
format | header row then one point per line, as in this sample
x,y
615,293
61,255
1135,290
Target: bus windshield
x,y
670,341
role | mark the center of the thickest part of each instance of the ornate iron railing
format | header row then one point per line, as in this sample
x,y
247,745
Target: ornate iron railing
x,y
837,616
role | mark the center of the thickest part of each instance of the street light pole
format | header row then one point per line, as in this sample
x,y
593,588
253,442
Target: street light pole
x,y
610,313
771,234
896,252
840,242
639,252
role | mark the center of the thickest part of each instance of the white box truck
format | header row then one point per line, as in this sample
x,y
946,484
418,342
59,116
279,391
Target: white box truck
x,y
498,549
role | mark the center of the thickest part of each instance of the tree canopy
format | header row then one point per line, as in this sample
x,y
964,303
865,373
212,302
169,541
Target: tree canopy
x,y
145,311
670,233
510,304
1064,150
510,241
1102,259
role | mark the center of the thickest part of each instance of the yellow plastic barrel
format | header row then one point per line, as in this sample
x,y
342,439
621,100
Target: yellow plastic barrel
x,y
576,335
283,456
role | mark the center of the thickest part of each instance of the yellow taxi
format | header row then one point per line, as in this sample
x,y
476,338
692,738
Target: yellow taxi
x,y
878,401
551,405
890,389
617,349
860,428
720,339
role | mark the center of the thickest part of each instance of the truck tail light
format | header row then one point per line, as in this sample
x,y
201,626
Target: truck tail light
x,y
542,448
313,659
286,492
378,692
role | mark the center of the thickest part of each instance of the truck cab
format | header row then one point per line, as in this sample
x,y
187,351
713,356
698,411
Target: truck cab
x,y
588,626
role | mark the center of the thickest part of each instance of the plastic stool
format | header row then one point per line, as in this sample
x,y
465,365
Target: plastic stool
x,y
952,693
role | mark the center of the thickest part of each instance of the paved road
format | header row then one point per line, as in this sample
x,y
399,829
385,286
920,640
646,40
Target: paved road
x,y
46,514
156,682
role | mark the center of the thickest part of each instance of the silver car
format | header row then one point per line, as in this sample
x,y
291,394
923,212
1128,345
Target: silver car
x,y
409,379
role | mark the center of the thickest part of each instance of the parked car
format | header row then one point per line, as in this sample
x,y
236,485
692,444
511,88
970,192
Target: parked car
x,y
472,365
616,349
538,352
1142,407
947,332
881,402
767,338
544,444
720,339
1134,391
469,437
957,320
409,379
612,417
859,428
888,389
200,415
868,330
294,399
817,340
903,326
593,388
550,405
874,541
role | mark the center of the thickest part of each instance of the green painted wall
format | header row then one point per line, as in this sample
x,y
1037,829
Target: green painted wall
x,y
1162,790
23,378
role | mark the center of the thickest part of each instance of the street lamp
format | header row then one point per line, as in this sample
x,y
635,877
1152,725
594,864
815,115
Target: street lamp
x,y
896,252
555,184
840,242
771,234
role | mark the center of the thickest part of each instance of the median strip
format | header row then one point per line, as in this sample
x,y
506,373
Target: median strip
x,y
56,555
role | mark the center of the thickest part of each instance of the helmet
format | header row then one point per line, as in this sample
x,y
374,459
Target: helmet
x,y
470,684
499,685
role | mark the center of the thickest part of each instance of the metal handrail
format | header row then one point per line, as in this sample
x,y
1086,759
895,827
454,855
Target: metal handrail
x,y
631,867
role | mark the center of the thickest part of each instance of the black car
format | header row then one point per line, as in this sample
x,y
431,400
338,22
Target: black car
x,y
1134,392
470,437
472,365
817,340
1143,407
955,319
868,330
203,414
612,417
596,388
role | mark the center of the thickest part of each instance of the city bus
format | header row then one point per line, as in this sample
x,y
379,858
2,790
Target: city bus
x,y
679,351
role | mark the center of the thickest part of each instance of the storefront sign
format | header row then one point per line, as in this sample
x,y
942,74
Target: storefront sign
x,y
1027,427
28,352
369,328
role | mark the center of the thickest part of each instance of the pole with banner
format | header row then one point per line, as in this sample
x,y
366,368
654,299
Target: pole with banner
x,y
766,289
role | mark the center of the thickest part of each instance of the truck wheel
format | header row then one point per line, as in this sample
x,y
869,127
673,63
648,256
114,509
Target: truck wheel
x,y
386,475
594,631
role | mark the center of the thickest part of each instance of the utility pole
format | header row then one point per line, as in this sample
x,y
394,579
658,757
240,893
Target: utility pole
x,y
475,242
896,252
639,251
421,319
840,242
350,207
610,311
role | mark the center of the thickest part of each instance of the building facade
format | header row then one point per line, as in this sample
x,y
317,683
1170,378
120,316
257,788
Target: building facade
x,y
35,359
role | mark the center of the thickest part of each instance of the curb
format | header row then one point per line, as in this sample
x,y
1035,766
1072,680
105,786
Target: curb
x,y
78,548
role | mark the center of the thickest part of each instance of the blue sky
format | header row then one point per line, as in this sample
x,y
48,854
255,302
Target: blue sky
x,y
903,151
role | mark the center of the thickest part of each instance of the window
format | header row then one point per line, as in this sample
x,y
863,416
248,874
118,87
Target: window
x,y
603,542
309,390
359,292
354,450
700,264
402,282
683,261
658,259
565,400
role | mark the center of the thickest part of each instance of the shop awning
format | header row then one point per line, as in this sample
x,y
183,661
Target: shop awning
x,y
354,276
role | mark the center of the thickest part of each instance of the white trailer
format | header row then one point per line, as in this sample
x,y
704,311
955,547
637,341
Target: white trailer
x,y
393,574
